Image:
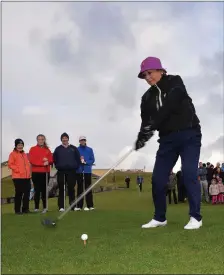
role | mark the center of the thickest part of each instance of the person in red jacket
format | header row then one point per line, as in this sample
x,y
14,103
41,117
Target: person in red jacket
x,y
41,160
20,166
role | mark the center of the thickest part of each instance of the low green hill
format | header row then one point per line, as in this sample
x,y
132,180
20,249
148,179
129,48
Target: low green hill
x,y
7,186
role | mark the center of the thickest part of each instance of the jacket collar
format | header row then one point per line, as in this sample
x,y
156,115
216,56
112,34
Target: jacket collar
x,y
162,83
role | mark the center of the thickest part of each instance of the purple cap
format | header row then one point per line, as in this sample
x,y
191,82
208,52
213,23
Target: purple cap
x,y
150,63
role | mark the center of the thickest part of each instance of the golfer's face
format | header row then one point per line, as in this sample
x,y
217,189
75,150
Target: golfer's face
x,y
40,141
19,147
64,140
152,76
82,142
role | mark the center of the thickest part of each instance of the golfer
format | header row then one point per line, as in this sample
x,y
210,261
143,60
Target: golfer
x,y
67,160
167,108
41,160
19,164
84,174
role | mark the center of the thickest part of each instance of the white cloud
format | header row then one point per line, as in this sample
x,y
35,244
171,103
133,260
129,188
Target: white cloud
x,y
34,110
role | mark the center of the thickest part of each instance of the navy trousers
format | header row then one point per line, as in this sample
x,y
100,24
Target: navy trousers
x,y
187,145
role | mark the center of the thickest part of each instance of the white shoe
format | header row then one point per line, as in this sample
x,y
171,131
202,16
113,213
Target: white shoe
x,y
36,210
86,209
153,223
62,210
92,208
193,224
77,209
44,211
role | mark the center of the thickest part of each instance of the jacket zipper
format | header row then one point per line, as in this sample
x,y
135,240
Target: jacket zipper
x,y
24,164
159,102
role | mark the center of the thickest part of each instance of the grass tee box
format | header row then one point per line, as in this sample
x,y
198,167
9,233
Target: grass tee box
x,y
116,243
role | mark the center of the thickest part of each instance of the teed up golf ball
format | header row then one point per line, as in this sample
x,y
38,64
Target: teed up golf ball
x,y
84,237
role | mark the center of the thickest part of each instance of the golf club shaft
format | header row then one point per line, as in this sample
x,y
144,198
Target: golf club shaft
x,y
94,184
64,191
46,191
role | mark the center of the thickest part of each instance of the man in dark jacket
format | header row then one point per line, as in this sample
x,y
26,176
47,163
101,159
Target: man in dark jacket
x,y
127,181
67,161
171,188
180,187
210,173
167,108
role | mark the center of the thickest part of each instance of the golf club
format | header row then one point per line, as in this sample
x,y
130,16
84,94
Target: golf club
x,y
64,191
46,191
83,178
49,222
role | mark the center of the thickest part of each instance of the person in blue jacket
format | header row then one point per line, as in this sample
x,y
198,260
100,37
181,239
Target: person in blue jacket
x,y
84,175
139,182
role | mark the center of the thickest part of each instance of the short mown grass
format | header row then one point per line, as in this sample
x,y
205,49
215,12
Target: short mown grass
x,y
117,244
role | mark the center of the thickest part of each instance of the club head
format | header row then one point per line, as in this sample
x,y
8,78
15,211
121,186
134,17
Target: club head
x,y
48,222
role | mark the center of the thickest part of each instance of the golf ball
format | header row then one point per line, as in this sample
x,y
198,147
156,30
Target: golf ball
x,y
84,237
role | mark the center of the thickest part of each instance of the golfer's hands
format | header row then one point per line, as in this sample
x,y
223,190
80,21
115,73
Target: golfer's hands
x,y
46,163
143,136
139,144
82,160
45,159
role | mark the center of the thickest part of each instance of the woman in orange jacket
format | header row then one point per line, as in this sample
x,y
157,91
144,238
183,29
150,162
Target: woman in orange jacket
x,y
19,164
41,160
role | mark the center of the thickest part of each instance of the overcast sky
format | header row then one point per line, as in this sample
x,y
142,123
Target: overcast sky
x,y
72,67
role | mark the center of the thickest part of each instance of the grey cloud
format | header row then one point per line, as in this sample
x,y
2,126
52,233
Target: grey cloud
x,y
214,105
211,72
123,89
101,23
59,50
207,84
35,36
216,146
214,64
103,27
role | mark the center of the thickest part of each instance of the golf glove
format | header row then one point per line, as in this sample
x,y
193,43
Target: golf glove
x,y
143,136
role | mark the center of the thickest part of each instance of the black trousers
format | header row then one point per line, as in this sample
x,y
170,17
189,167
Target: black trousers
x,y
39,182
85,184
22,195
140,186
127,184
169,193
66,179
182,193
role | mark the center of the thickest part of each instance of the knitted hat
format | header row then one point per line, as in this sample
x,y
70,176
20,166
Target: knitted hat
x,y
19,141
64,135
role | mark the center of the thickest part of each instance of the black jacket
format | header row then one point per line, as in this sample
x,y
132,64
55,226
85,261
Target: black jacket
x,y
66,159
209,173
167,107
